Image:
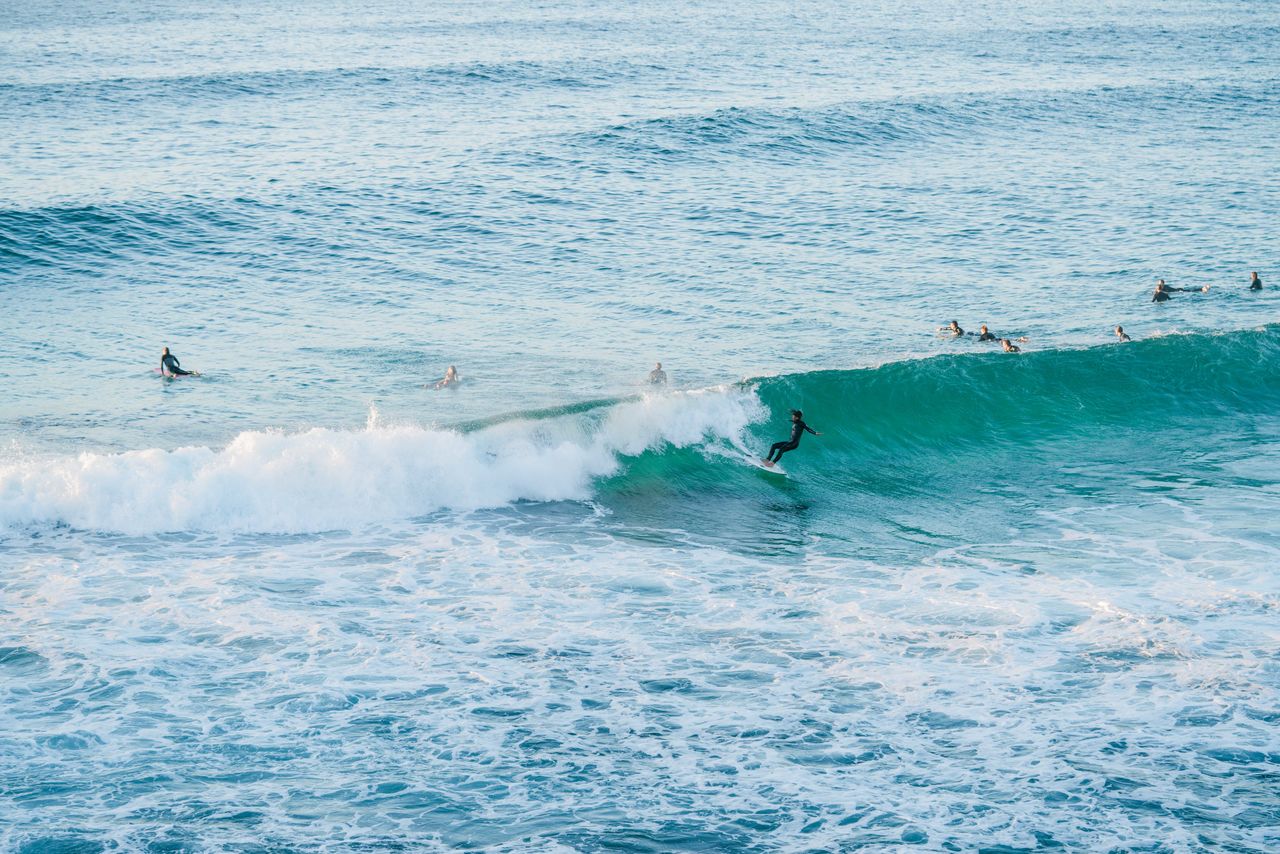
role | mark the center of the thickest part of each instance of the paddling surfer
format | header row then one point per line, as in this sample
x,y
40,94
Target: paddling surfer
x,y
1162,291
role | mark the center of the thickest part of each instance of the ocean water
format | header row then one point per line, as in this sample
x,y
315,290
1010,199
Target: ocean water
x,y
305,603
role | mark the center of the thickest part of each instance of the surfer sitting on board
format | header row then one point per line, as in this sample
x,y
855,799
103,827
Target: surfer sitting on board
x,y
169,366
658,376
797,430
451,378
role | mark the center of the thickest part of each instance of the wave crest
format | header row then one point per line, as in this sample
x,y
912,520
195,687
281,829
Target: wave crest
x,y
913,416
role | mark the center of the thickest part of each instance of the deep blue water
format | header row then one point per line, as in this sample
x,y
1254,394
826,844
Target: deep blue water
x,y
304,602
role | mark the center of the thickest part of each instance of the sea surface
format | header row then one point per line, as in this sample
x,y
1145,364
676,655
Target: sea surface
x,y
306,603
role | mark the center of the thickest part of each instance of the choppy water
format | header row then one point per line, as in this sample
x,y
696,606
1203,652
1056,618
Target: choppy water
x,y
303,603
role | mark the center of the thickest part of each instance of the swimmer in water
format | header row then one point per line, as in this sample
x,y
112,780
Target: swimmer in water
x,y
657,376
1162,291
1009,346
953,328
451,378
798,428
1121,335
1255,284
169,366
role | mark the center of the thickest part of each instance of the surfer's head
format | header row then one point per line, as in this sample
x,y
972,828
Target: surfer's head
x,y
166,351
983,329
796,415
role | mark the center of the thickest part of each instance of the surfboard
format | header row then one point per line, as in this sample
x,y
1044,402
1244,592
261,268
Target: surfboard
x,y
742,455
773,469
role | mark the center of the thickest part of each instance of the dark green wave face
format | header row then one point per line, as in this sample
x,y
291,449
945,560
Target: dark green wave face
x,y
918,454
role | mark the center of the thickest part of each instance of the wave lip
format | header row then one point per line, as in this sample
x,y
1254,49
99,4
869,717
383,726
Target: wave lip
x,y
325,479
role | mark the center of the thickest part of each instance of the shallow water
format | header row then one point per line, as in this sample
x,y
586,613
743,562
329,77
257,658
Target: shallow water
x,y
305,603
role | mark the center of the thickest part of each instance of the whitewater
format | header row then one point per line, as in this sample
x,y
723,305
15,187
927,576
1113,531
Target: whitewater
x,y
305,602
324,479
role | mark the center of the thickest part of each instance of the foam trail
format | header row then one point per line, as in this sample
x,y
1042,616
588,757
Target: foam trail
x,y
323,479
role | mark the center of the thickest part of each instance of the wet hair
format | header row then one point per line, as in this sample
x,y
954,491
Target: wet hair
x,y
796,413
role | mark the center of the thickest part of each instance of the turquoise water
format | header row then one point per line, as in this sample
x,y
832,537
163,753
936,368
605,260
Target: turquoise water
x,y
306,603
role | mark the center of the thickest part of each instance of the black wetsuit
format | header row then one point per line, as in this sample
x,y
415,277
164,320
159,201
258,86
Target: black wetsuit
x,y
779,448
986,336
169,363
1161,296
657,378
1255,284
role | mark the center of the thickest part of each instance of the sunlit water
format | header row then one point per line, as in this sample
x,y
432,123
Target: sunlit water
x,y
306,603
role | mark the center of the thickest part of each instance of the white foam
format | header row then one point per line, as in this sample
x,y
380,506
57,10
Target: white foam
x,y
322,479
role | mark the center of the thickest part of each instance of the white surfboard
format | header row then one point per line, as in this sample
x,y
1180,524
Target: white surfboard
x,y
744,456
773,469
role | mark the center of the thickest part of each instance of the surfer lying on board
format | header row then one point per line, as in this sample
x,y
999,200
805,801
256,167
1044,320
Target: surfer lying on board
x,y
1162,291
797,430
451,378
169,366
985,334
